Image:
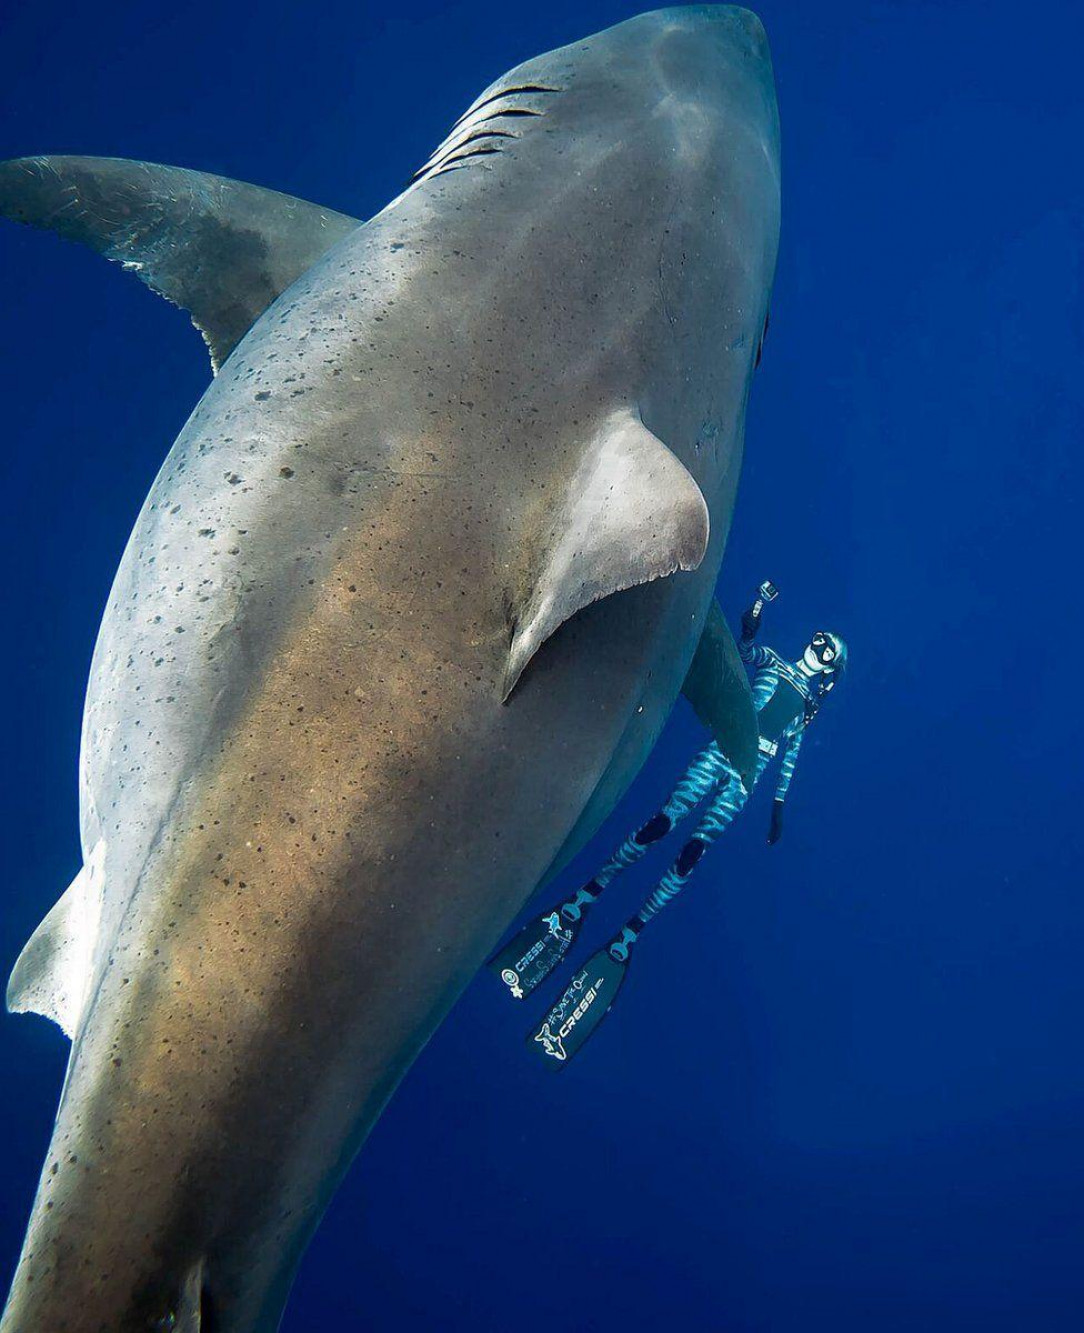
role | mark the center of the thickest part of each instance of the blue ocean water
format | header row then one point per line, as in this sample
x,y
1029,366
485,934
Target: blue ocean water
x,y
843,1088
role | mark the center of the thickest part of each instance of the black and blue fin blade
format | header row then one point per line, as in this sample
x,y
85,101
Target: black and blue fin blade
x,y
717,686
533,952
218,248
589,997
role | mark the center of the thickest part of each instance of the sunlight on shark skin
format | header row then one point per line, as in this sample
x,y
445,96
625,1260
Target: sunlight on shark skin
x,y
404,613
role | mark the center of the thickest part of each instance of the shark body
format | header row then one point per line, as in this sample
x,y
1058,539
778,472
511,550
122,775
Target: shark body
x,y
401,618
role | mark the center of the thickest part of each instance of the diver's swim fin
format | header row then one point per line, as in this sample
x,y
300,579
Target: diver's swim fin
x,y
536,950
586,1002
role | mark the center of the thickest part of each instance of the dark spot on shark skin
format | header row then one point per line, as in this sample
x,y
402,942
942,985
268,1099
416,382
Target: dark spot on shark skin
x,y
262,395
286,472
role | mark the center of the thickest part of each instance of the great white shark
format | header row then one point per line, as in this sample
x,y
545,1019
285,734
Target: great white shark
x,y
403,614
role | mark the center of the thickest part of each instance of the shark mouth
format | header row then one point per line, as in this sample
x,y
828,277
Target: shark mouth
x,y
485,128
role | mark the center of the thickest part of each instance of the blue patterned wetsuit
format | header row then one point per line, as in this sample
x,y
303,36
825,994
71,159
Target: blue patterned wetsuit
x,y
785,699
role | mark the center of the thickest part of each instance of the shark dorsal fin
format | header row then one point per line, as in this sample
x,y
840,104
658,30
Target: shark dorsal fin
x,y
218,248
51,976
717,686
632,513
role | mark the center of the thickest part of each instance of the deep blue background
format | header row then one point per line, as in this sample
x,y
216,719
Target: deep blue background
x,y
842,1090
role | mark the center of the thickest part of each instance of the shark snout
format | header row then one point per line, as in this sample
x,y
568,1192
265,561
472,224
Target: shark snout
x,y
741,24
695,47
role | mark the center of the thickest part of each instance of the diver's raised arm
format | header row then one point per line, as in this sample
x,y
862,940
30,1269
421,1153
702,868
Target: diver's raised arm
x,y
750,625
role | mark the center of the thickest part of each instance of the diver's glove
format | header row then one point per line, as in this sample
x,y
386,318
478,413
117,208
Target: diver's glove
x,y
750,620
775,832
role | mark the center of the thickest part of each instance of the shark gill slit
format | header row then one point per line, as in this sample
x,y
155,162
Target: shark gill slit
x,y
504,92
467,129
453,159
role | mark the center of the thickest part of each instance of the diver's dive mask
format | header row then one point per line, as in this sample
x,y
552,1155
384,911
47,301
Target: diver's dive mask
x,y
826,653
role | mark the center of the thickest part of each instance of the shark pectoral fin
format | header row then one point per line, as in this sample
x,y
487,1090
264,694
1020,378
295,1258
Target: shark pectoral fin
x,y
717,686
51,976
633,513
218,248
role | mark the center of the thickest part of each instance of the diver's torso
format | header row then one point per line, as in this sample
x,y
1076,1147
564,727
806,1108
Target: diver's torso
x,y
788,702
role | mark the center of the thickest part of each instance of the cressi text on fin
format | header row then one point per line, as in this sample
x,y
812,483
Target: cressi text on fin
x,y
576,1016
528,959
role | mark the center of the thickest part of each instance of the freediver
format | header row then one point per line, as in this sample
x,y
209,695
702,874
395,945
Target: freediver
x,y
787,697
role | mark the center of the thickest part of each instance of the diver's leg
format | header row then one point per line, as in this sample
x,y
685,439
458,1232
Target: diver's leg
x,y
592,992
700,777
716,820
536,949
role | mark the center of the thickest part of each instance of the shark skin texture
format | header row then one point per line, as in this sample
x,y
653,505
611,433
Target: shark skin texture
x,y
401,618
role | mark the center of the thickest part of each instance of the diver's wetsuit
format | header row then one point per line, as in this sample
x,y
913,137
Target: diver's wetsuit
x,y
785,700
